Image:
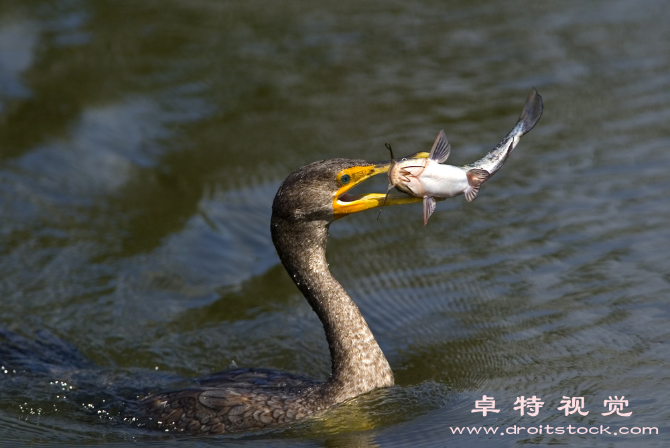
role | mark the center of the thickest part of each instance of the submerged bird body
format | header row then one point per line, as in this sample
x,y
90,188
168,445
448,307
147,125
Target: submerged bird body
x,y
242,400
428,178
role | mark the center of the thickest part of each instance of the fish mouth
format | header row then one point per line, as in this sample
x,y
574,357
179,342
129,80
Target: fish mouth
x,y
345,203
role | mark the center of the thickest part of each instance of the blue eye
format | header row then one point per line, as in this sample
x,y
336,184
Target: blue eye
x,y
345,179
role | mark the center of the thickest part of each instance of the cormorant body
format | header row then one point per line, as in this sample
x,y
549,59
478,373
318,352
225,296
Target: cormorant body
x,y
307,202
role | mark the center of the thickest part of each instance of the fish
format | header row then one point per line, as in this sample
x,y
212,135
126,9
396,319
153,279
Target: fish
x,y
429,178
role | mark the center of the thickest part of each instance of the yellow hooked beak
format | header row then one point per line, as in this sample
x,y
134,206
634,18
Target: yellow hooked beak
x,y
345,204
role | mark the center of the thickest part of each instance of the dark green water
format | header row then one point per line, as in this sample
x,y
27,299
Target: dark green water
x,y
141,144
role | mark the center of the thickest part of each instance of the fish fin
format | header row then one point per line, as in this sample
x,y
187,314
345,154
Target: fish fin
x,y
471,193
476,177
428,208
532,111
441,148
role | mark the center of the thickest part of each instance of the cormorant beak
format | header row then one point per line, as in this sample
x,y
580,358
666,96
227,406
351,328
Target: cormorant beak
x,y
345,204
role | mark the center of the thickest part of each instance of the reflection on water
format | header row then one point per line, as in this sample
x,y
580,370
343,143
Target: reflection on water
x,y
141,145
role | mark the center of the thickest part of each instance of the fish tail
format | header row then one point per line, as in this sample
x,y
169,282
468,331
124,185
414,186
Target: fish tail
x,y
476,177
532,111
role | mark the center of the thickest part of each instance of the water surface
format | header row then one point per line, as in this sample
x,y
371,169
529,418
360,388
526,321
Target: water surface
x,y
141,144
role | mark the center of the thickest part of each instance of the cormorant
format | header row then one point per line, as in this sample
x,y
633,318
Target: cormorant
x,y
305,205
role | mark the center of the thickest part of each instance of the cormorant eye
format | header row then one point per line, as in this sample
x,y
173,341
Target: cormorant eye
x,y
345,179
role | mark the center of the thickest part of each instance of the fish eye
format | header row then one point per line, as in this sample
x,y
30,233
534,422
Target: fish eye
x,y
345,179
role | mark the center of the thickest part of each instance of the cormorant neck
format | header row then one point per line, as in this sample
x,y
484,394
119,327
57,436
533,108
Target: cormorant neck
x,y
358,364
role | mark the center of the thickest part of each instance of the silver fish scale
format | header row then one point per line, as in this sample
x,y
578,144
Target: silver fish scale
x,y
495,159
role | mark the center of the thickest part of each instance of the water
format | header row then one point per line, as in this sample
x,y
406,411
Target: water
x,y
141,144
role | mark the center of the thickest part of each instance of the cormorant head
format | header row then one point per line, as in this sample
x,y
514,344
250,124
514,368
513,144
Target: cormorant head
x,y
320,191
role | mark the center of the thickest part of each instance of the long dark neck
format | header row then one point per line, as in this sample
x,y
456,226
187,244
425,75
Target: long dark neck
x,y
358,364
